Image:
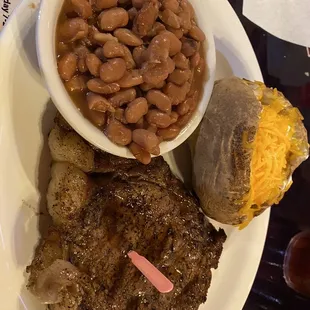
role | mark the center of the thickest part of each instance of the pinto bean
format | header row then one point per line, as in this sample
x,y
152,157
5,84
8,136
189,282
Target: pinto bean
x,y
100,87
185,20
155,73
118,133
135,110
186,88
132,13
174,116
156,150
185,32
177,32
156,29
77,84
123,96
82,8
140,124
169,133
139,153
197,34
195,59
130,63
186,6
145,139
97,118
184,119
169,18
105,4
189,47
177,94
183,108
179,77
67,66
152,128
113,18
193,96
146,87
112,49
160,100
139,55
181,62
99,53
131,79
172,5
113,70
102,38
158,50
98,103
120,115
146,18
127,37
63,48
170,65
93,64
158,118
73,29
175,43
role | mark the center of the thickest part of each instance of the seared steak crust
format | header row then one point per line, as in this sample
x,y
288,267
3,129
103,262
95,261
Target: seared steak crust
x,y
131,207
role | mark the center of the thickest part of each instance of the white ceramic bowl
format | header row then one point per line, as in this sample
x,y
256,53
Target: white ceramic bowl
x,y
45,40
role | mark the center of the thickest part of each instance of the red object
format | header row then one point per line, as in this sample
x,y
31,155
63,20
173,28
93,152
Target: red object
x,y
297,264
162,284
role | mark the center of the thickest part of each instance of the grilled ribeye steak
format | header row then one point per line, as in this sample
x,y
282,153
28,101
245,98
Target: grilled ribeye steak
x,y
99,216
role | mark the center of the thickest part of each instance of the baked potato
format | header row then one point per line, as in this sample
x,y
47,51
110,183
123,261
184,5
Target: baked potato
x,y
246,149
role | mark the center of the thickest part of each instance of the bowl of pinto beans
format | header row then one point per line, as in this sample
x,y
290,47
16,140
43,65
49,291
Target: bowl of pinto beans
x,y
132,77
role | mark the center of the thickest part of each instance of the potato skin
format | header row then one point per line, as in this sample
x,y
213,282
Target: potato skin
x,y
221,165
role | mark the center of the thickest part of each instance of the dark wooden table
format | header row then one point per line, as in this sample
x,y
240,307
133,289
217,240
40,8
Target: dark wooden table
x,y
284,66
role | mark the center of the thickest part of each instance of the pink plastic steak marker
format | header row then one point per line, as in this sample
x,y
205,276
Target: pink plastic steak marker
x,y
162,284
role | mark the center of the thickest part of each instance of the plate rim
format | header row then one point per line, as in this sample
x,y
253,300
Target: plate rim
x,y
225,7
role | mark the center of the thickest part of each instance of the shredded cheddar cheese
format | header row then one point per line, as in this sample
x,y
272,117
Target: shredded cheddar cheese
x,y
274,147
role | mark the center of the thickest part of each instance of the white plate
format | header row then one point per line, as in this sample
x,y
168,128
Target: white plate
x,y
26,116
